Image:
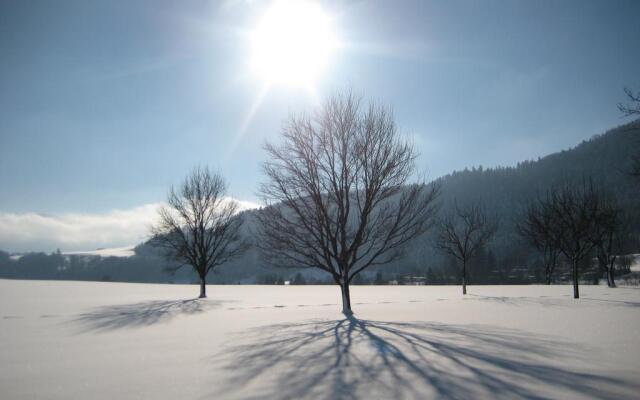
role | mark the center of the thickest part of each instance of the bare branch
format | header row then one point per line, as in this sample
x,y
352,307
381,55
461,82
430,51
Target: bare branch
x,y
337,191
537,226
632,108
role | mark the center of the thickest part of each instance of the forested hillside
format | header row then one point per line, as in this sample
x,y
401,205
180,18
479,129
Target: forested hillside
x,y
604,160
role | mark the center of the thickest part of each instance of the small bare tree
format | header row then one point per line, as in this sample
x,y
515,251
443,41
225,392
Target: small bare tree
x,y
199,227
463,232
337,194
609,238
536,227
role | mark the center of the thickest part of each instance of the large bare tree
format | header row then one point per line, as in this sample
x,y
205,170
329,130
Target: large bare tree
x,y
463,232
199,227
337,192
537,228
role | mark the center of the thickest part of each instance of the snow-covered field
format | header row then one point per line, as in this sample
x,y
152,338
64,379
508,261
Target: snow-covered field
x,y
81,340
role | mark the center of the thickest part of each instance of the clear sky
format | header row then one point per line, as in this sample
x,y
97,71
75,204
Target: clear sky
x,y
103,105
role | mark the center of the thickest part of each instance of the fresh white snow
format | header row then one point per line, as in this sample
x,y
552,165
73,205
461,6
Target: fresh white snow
x,y
86,340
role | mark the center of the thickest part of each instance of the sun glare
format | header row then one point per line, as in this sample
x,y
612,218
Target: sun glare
x,y
292,43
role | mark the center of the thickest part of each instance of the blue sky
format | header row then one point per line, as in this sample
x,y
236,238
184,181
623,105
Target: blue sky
x,y
103,105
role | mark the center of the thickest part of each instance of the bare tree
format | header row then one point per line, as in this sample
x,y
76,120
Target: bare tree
x,y
199,227
337,194
536,227
632,108
463,232
577,213
609,238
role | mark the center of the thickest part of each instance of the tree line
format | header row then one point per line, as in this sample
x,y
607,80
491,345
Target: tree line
x,y
341,197
338,197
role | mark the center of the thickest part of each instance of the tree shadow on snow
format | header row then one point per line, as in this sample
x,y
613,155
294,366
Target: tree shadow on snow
x,y
354,358
549,301
141,314
616,302
522,300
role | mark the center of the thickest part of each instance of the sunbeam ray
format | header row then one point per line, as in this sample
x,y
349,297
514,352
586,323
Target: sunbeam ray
x,y
246,122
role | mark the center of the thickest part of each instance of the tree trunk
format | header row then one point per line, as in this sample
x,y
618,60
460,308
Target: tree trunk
x,y
203,287
464,277
548,272
610,278
552,263
346,298
576,293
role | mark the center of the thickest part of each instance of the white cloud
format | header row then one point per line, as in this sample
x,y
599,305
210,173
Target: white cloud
x,y
79,232
246,205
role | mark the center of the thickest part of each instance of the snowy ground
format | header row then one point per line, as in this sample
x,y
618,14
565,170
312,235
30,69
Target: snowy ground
x,y
73,340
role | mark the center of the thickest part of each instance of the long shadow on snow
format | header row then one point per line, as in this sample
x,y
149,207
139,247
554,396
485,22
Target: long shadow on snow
x,y
353,358
141,314
549,301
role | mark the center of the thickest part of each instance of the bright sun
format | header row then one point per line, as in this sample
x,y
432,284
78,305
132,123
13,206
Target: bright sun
x,y
292,43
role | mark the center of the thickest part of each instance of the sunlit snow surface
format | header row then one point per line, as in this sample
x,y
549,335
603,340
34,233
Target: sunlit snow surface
x,y
77,340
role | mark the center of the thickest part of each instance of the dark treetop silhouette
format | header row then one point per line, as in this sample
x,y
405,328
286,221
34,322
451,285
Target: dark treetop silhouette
x,y
610,238
580,215
200,227
337,192
536,227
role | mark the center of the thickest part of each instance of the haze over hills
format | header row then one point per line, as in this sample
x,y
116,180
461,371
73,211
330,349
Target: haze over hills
x,y
604,160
